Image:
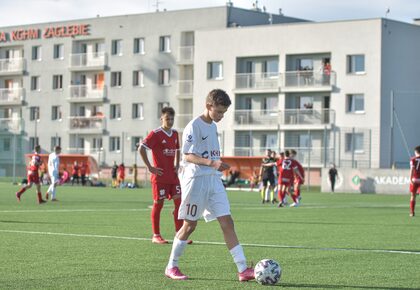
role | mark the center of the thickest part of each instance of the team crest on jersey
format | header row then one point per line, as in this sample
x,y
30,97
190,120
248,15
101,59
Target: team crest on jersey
x,y
189,138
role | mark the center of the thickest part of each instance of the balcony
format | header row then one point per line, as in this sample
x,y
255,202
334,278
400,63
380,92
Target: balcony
x,y
250,151
181,120
85,151
87,93
88,61
87,125
307,117
11,125
257,81
12,66
186,55
13,96
185,88
256,117
300,81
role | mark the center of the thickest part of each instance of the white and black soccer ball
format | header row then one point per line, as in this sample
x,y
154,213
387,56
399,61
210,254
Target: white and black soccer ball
x,y
267,272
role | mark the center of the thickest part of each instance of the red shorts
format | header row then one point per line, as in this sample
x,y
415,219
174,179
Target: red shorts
x,y
33,177
414,187
165,191
285,181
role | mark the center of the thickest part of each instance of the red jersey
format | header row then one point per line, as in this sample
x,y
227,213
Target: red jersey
x,y
415,165
35,163
286,169
83,169
300,169
75,170
164,146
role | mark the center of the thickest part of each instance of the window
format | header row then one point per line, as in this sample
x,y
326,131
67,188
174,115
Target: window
x,y
35,83
114,144
355,103
57,82
135,142
138,111
34,113
33,142
56,113
356,64
354,142
116,47
139,46
58,51
55,141
116,79
97,143
164,76
138,78
36,53
6,144
215,70
271,68
161,106
165,44
115,111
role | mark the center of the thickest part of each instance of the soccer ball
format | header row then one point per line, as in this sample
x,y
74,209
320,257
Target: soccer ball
x,y
267,272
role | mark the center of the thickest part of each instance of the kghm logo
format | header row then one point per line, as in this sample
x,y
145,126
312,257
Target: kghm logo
x,y
356,180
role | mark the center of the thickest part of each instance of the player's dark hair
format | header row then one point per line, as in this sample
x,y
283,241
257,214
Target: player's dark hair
x,y
287,153
218,97
293,151
417,149
57,148
167,110
37,147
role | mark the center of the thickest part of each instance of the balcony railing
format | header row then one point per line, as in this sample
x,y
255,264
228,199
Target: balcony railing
x,y
257,81
12,65
256,117
186,54
14,95
181,120
88,60
286,117
87,123
308,79
185,87
307,116
10,124
250,151
84,92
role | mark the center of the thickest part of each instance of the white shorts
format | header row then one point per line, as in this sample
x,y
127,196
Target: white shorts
x,y
54,177
203,196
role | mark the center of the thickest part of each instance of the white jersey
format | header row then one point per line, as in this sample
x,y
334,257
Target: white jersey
x,y
200,138
53,164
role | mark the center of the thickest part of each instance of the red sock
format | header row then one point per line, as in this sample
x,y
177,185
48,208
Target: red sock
x,y
282,194
294,197
156,209
178,222
297,191
22,190
412,205
39,196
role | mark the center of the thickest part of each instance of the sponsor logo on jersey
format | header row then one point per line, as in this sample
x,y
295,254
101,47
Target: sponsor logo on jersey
x,y
215,153
169,152
205,154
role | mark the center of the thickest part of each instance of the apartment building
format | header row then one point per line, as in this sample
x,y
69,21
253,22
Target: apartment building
x,y
96,86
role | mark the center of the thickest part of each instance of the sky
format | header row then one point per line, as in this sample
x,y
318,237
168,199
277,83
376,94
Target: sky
x,y
19,12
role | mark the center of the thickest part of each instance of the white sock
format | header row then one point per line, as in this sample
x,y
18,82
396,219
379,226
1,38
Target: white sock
x,y
239,258
267,194
53,192
50,188
178,247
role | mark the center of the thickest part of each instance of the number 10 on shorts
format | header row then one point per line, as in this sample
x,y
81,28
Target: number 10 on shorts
x,y
191,209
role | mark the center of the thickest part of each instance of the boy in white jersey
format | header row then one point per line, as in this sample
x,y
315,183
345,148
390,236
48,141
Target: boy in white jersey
x,y
53,171
203,193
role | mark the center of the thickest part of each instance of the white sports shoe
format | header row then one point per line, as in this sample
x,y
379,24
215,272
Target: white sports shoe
x,y
295,204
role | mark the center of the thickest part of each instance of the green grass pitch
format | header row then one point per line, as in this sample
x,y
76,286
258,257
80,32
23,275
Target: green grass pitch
x,y
99,238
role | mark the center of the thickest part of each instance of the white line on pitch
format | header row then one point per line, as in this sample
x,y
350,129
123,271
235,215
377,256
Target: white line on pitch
x,y
73,210
221,243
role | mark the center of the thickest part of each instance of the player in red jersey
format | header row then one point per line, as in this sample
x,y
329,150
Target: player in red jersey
x,y
287,168
298,181
414,179
164,143
33,175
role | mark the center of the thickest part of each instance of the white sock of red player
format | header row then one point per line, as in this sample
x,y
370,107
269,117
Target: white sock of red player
x,y
238,255
178,248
